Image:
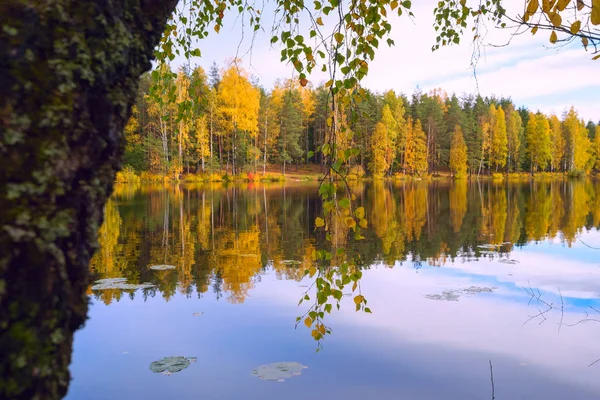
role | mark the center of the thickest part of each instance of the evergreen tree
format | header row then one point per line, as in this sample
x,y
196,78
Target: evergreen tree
x,y
290,128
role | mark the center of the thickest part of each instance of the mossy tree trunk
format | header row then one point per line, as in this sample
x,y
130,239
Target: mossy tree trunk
x,y
69,71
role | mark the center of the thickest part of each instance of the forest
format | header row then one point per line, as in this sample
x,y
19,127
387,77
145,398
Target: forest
x,y
224,121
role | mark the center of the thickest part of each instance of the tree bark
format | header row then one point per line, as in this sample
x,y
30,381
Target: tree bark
x,y
69,71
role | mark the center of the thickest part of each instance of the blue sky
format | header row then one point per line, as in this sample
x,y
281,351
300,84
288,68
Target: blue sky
x,y
529,70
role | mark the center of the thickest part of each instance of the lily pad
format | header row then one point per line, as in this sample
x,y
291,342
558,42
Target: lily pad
x,y
119,284
508,261
163,267
279,371
171,365
454,295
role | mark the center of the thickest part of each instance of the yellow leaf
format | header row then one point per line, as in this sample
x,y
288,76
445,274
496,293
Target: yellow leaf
x,y
321,329
531,9
312,271
546,6
585,42
534,30
354,286
595,17
553,37
575,27
360,212
350,222
217,28
580,5
358,299
363,223
338,37
319,222
315,334
319,21
556,19
562,4
308,322
596,57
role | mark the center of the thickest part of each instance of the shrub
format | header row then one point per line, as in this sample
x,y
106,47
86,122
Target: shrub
x,y
151,177
577,173
127,175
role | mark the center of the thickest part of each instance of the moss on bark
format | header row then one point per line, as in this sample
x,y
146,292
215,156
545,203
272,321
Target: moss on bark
x,y
68,75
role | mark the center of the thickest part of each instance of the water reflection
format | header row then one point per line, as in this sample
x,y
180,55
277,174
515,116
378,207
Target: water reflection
x,y
222,239
444,266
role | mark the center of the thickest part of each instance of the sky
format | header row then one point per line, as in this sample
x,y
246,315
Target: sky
x,y
530,70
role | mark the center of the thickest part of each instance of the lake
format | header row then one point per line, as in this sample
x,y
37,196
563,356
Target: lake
x,y
458,276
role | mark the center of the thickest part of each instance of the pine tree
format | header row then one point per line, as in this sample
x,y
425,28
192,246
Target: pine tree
x,y
458,154
290,128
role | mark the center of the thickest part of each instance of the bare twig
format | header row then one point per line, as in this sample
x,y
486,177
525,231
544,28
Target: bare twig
x,y
492,379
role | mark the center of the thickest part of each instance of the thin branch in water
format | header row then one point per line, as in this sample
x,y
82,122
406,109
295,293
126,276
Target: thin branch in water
x,y
562,310
492,379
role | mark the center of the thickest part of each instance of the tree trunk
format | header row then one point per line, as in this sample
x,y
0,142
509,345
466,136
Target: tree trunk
x,y
69,71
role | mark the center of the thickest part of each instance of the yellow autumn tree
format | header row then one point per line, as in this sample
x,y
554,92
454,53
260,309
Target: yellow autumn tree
x,y
415,156
182,85
577,142
499,139
458,154
538,141
238,103
379,163
514,128
597,148
558,143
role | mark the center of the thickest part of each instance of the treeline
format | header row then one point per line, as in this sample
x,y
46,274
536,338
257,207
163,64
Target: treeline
x,y
224,120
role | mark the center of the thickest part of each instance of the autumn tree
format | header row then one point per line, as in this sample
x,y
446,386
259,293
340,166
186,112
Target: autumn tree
x,y
538,141
415,159
557,143
379,162
499,139
514,132
238,104
458,154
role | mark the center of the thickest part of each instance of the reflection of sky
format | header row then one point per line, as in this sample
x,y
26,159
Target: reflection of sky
x,y
411,347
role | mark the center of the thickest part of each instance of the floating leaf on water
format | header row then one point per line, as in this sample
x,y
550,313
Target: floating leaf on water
x,y
454,295
446,295
171,365
162,267
279,371
197,314
119,284
291,262
508,261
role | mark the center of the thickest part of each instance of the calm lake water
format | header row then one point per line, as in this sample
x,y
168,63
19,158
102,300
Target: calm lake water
x,y
456,275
